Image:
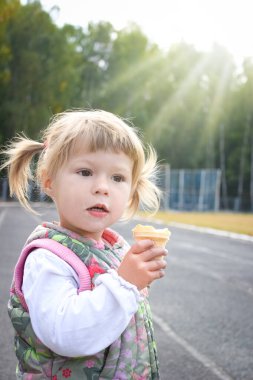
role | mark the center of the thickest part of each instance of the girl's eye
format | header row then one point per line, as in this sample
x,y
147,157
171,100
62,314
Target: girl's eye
x,y
85,172
118,178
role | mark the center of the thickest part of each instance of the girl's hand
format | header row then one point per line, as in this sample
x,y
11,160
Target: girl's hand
x,y
142,264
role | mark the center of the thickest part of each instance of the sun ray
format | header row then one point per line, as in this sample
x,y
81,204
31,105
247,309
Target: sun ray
x,y
134,70
169,107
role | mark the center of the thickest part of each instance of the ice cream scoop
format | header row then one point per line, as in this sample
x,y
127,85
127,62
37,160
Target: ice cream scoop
x,y
159,236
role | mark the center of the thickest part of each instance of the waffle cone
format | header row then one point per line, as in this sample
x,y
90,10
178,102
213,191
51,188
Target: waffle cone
x,y
159,236
159,241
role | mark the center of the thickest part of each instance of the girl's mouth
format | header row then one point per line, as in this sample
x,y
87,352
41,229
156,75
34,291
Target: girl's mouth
x,y
98,210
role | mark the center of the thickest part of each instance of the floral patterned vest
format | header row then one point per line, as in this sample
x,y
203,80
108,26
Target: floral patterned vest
x,y
132,356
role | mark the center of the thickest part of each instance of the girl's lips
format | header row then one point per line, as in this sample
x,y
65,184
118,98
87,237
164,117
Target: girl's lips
x,y
99,207
97,213
98,210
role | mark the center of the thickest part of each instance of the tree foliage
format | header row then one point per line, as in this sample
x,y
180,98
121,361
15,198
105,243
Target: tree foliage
x,y
194,106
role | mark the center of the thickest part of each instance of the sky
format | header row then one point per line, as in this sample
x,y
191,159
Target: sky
x,y
198,22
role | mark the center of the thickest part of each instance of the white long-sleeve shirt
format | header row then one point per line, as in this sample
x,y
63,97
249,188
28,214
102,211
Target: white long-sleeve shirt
x,y
72,324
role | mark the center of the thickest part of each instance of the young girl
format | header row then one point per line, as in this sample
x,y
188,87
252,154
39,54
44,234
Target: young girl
x,y
78,300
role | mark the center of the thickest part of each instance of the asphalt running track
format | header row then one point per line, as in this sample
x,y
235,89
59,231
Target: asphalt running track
x,y
203,308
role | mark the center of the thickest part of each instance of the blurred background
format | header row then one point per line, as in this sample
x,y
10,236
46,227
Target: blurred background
x,y
180,71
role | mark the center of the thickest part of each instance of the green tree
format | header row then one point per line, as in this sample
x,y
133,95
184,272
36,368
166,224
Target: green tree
x,y
7,12
240,138
94,45
177,106
132,58
42,77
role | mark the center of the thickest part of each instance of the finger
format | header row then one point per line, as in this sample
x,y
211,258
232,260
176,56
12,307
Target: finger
x,y
161,273
154,253
142,245
156,275
156,265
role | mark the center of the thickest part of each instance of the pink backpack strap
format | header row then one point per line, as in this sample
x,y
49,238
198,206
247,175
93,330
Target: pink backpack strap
x,y
59,250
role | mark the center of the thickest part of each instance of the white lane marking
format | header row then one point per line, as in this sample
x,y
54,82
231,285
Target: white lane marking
x,y
2,216
239,285
222,255
204,360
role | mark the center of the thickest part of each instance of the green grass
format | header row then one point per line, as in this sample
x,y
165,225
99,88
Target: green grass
x,y
233,222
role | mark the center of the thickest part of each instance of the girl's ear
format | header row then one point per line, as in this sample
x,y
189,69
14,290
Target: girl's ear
x,y
47,184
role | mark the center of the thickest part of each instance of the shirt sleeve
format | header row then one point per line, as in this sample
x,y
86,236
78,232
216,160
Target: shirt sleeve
x,y
73,324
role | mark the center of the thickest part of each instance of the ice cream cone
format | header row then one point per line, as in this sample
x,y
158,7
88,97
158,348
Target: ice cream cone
x,y
159,236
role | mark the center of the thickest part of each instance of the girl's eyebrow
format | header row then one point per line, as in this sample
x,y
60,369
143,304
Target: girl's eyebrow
x,y
81,161
122,170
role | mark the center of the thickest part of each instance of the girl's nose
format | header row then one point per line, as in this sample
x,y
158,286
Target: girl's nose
x,y
101,186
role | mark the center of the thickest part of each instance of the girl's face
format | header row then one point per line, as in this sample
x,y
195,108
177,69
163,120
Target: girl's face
x,y
91,191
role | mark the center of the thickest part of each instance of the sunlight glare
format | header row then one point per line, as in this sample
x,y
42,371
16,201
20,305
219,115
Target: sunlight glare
x,y
198,22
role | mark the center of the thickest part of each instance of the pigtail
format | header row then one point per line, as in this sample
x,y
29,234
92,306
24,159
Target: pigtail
x,y
146,192
20,153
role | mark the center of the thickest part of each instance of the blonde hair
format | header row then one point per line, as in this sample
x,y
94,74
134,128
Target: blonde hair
x,y
73,130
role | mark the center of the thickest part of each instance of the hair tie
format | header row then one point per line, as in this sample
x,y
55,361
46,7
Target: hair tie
x,y
45,144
